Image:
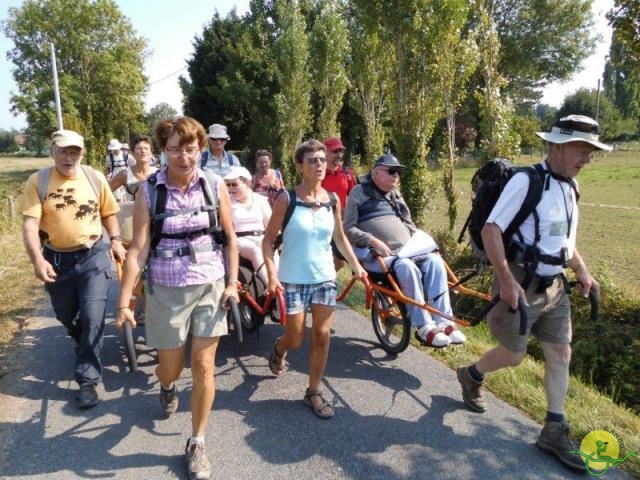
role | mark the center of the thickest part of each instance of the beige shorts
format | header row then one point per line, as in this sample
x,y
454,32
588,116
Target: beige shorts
x,y
174,312
548,315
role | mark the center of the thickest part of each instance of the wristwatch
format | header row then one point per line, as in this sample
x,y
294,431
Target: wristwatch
x,y
115,237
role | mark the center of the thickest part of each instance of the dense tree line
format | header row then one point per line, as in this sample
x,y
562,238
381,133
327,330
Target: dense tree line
x,y
424,79
385,75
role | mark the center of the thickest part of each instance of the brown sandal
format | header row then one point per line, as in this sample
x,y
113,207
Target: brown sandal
x,y
324,410
276,360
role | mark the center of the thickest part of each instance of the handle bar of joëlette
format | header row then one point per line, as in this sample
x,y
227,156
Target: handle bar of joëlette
x,y
367,289
264,308
594,300
522,310
235,317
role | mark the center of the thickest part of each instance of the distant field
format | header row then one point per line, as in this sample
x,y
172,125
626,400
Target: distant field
x,y
608,236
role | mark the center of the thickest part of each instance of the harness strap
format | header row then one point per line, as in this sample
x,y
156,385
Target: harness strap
x,y
184,251
250,233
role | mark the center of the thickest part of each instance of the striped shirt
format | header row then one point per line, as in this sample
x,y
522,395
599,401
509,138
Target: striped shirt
x,y
180,271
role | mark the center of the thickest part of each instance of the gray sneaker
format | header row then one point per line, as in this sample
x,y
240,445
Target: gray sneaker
x,y
169,400
471,391
554,439
197,462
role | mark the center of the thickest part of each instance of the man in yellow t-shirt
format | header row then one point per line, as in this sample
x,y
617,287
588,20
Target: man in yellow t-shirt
x,y
62,231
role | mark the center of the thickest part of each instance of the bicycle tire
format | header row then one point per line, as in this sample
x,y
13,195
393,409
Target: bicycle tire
x,y
130,347
398,326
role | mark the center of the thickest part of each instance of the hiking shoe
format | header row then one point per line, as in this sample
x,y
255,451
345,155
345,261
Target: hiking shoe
x,y
197,463
87,396
554,439
432,337
168,400
455,335
471,391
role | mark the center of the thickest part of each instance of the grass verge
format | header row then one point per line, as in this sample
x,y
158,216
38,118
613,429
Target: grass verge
x,y
586,408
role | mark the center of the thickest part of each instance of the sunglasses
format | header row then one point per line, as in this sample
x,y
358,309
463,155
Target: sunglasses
x,y
231,184
314,160
393,171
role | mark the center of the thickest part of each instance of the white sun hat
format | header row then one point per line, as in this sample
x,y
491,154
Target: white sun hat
x,y
238,172
114,144
218,131
575,128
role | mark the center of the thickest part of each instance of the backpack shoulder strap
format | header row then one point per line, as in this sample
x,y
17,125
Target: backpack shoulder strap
x,y
204,157
333,201
533,196
291,196
157,204
43,182
210,187
92,176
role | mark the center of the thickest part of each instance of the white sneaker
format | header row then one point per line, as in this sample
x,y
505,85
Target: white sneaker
x,y
455,335
432,337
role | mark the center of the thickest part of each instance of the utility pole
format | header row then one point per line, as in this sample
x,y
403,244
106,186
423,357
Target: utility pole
x,y
56,89
598,101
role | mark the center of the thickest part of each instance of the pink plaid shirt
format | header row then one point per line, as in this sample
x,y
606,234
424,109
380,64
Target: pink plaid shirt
x,y
179,271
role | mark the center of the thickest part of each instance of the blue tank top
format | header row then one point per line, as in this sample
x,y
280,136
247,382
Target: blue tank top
x,y
306,247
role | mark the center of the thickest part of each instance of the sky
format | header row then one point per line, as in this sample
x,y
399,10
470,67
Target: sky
x,y
170,31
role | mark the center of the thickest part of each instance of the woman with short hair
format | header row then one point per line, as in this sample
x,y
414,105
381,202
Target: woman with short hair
x,y
185,288
306,274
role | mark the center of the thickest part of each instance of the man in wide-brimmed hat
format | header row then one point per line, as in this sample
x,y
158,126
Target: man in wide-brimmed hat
x,y
65,208
544,246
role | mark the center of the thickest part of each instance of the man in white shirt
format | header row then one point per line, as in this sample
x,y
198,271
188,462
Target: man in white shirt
x,y
570,143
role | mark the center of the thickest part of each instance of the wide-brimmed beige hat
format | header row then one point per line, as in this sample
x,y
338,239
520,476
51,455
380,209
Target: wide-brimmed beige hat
x,y
67,138
218,131
575,128
114,144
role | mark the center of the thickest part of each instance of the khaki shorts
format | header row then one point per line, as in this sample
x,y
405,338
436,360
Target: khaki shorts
x,y
548,315
174,312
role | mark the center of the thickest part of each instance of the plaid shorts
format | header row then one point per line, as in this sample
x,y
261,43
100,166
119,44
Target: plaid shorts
x,y
298,297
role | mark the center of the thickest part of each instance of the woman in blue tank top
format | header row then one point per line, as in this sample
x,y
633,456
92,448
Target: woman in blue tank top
x,y
307,276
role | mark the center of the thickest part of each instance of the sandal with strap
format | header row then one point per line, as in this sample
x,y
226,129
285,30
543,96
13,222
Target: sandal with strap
x,y
276,360
324,410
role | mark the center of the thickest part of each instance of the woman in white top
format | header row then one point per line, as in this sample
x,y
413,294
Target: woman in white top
x,y
131,177
250,213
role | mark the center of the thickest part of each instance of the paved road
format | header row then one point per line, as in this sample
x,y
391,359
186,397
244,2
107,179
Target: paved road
x,y
396,418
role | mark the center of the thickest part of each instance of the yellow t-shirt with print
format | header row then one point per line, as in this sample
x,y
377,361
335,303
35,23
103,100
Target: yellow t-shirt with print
x,y
70,216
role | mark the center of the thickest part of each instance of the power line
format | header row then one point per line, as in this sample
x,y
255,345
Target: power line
x,y
168,76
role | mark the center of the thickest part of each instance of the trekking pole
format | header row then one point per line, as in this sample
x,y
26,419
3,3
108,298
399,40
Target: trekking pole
x,y
522,310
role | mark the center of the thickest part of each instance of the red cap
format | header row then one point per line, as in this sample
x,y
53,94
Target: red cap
x,y
333,144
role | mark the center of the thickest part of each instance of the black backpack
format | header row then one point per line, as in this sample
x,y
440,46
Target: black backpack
x,y
487,184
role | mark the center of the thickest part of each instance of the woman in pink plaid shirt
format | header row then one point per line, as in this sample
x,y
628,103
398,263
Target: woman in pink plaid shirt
x,y
186,290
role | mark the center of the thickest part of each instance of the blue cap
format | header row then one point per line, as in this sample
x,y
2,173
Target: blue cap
x,y
387,161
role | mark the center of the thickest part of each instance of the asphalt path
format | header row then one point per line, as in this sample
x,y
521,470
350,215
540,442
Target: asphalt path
x,y
397,417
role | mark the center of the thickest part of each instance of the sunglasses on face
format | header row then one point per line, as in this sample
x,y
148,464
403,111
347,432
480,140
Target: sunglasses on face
x,y
232,184
314,160
393,171
218,139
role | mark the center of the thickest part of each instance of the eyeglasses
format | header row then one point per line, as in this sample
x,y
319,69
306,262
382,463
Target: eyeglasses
x,y
231,184
176,152
218,139
392,171
338,153
314,160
